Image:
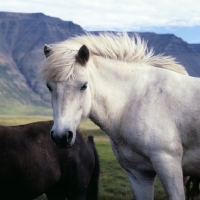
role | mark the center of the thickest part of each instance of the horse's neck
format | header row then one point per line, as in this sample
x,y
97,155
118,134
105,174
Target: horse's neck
x,y
111,89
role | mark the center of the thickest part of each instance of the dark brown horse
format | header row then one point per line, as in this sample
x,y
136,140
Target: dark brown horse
x,y
30,165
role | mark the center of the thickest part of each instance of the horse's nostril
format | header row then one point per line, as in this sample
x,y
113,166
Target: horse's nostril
x,y
52,137
62,140
70,136
51,134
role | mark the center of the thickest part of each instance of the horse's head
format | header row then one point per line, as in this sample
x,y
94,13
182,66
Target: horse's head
x,y
70,97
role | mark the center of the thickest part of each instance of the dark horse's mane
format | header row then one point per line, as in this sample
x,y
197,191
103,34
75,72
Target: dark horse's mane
x,y
93,187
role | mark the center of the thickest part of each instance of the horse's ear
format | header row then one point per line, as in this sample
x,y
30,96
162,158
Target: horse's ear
x,y
47,50
83,55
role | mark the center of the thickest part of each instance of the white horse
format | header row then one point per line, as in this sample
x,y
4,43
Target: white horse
x,y
150,112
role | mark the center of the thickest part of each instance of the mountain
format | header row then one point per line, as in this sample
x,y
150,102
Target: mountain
x,y
187,33
22,37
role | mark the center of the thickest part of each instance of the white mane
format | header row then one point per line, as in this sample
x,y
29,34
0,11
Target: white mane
x,y
59,65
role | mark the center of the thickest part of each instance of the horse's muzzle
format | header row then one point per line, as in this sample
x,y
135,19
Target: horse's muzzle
x,y
64,140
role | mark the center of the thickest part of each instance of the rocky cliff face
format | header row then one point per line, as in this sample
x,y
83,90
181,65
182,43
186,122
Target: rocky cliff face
x,y
22,37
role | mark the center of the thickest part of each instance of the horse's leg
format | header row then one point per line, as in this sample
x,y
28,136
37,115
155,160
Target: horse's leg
x,y
169,170
188,190
142,184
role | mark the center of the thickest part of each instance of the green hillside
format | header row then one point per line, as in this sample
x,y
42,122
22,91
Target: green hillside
x,y
15,97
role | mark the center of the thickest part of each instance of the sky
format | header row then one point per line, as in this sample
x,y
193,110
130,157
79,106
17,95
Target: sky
x,y
181,17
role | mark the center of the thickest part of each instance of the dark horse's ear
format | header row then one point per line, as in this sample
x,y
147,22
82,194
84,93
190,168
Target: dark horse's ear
x,y
83,55
47,50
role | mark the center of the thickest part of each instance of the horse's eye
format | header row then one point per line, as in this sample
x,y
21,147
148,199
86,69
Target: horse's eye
x,y
84,86
48,86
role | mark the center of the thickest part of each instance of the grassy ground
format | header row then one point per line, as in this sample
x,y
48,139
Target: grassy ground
x,y
8,120
114,183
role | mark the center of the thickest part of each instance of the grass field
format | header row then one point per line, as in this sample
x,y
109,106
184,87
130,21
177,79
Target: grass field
x,y
114,183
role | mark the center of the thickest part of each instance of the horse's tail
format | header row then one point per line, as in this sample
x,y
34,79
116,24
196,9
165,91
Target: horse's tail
x,y
92,192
